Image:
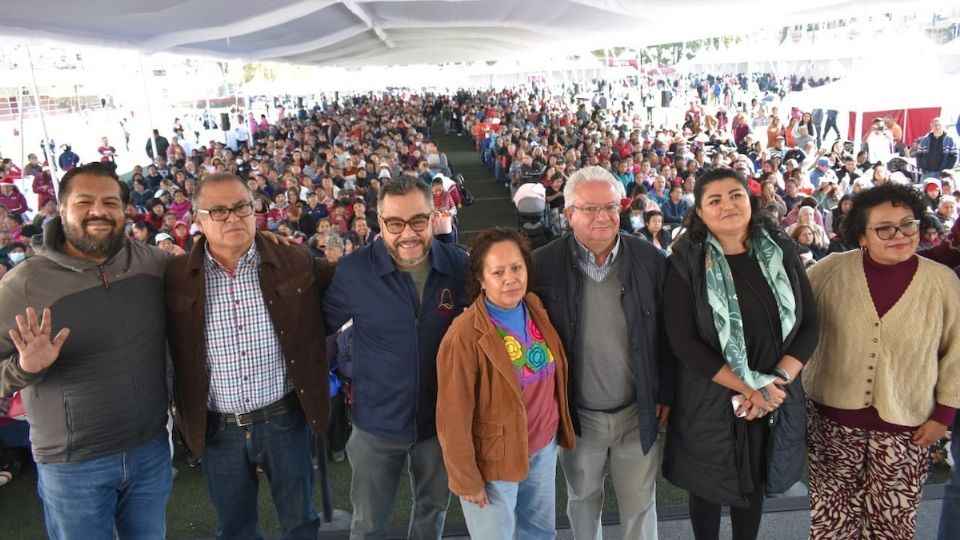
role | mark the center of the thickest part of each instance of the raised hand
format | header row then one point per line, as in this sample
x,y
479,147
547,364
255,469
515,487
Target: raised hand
x,y
35,349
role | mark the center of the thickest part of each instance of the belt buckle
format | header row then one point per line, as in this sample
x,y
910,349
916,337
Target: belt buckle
x,y
239,419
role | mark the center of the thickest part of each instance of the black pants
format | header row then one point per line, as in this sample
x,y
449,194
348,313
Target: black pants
x,y
831,124
705,518
339,424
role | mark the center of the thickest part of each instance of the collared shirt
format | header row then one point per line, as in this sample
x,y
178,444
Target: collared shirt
x,y
588,262
244,359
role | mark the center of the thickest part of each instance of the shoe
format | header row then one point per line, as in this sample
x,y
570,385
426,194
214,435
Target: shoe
x,y
338,457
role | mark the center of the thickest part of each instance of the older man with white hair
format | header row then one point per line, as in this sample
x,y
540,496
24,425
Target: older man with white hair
x,y
603,292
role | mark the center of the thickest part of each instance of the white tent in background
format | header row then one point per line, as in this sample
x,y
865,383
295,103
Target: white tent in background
x,y
830,54
950,56
865,92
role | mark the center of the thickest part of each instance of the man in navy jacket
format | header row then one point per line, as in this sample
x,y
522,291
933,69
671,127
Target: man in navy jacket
x,y
402,292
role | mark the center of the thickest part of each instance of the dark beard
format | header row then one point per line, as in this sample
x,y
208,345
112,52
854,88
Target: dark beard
x,y
93,246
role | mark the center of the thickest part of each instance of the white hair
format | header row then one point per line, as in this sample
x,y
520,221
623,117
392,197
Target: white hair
x,y
591,174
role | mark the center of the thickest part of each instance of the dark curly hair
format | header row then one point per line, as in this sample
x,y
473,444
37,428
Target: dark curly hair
x,y
759,217
479,247
855,224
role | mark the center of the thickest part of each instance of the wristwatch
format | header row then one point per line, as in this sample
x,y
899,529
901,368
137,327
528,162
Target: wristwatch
x,y
782,373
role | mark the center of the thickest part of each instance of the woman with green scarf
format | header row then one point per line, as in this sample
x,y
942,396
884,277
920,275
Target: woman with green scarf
x,y
742,320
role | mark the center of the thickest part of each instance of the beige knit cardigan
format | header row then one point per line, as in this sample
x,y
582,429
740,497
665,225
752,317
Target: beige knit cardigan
x,y
902,363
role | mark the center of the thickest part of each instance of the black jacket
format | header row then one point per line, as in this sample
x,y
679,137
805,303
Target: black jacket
x,y
558,282
701,455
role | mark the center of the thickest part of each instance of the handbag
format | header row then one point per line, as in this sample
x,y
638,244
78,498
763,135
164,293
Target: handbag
x,y
442,222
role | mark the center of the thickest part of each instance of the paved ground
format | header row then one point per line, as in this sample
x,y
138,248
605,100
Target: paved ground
x,y
778,525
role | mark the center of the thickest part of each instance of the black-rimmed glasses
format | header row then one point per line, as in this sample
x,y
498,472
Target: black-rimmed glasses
x,y
223,214
418,223
888,232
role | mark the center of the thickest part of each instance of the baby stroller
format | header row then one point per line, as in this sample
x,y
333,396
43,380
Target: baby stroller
x,y
532,217
908,169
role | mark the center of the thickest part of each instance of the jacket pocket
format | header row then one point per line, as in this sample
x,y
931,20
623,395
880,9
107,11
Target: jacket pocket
x,y
488,440
295,287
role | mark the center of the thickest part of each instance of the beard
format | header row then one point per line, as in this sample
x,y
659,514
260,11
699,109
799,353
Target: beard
x,y
92,245
394,250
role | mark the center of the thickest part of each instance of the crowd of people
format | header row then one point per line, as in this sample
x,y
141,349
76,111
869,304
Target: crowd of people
x,y
686,293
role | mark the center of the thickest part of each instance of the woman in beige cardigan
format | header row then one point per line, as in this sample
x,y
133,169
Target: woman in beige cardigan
x,y
884,383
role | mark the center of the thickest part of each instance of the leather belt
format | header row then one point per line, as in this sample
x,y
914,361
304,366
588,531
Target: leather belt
x,y
277,408
614,410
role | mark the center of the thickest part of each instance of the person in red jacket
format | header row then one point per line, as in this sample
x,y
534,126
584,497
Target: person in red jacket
x,y
12,199
44,188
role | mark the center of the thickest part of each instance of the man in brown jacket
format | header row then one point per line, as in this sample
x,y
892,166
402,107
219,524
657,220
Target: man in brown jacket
x,y
250,368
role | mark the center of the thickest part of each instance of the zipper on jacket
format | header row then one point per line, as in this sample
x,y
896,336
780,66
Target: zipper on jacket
x,y
103,277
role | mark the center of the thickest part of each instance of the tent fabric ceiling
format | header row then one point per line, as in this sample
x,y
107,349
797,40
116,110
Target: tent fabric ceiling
x,y
387,32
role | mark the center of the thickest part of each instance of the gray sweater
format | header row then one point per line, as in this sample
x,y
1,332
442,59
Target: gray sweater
x,y
107,391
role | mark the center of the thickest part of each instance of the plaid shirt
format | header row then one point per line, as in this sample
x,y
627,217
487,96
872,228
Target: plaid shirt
x,y
588,262
244,359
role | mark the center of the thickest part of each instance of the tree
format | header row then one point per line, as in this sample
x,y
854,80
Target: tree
x,y
256,69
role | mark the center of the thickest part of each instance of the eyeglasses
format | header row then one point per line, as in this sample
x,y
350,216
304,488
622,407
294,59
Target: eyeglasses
x,y
222,214
594,211
887,232
418,223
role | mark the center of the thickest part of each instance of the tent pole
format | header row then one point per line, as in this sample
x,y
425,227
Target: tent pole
x,y
146,98
23,139
903,129
43,120
858,132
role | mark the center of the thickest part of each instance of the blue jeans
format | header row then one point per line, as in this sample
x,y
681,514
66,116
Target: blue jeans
x,y
524,510
950,510
125,493
281,446
377,464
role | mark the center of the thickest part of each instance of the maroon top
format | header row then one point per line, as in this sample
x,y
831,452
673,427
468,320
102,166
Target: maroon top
x,y
887,283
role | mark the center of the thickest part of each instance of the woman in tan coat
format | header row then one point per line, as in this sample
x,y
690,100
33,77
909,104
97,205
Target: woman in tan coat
x,y
502,397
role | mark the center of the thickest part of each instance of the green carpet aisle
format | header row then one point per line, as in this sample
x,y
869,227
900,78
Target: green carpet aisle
x,y
492,206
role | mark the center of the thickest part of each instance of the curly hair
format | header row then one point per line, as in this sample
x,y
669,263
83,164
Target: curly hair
x,y
855,224
479,247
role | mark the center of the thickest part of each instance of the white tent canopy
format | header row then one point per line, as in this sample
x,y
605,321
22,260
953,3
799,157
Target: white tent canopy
x,y
864,92
385,32
868,92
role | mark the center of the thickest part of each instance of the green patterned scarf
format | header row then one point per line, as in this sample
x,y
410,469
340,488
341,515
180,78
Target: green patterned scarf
x,y
722,297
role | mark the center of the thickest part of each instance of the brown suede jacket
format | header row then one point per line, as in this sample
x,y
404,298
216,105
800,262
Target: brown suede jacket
x,y
292,282
481,420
